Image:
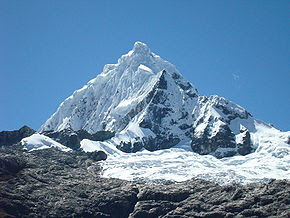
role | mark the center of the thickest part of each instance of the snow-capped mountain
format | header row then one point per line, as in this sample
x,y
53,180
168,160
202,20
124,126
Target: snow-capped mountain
x,y
147,103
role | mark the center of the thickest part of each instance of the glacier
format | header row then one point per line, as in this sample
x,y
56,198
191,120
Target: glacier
x,y
271,160
165,130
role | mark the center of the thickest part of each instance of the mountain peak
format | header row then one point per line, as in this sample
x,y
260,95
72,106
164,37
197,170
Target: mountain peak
x,y
141,48
148,108
123,92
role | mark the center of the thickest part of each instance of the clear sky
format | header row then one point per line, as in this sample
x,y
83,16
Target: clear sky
x,y
235,49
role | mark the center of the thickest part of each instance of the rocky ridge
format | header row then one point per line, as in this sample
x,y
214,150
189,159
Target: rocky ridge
x,y
52,183
13,137
72,139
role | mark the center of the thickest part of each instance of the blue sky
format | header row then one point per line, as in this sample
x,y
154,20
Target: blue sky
x,y
235,49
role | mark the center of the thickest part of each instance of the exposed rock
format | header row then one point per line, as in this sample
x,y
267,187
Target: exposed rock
x,y
212,130
162,83
129,147
13,137
72,139
160,142
206,144
52,183
97,155
159,113
245,147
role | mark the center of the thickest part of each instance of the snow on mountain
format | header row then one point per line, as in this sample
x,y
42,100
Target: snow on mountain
x,y
221,127
271,160
105,101
38,141
146,102
141,88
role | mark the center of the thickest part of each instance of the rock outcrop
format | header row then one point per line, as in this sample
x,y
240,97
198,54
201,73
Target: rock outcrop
x,y
219,128
13,137
72,139
51,183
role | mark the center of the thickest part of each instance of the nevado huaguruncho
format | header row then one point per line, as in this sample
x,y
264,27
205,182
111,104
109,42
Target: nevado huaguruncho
x,y
142,109
140,141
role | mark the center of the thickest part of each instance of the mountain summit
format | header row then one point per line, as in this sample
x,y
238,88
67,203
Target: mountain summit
x,y
147,103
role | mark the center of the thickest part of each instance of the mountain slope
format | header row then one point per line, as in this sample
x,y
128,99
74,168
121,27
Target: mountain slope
x,y
105,101
140,90
51,183
13,137
222,127
146,102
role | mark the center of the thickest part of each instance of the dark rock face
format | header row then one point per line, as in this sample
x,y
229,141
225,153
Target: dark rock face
x,y
149,143
159,109
13,137
161,142
72,139
216,137
97,155
52,183
129,147
205,145
223,139
162,83
245,147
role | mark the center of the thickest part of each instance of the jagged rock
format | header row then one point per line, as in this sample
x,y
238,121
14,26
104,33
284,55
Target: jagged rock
x,y
149,143
213,131
52,183
72,139
160,142
129,147
13,137
245,147
206,144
